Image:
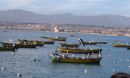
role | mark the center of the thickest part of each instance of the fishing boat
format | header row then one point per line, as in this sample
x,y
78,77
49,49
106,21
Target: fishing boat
x,y
7,44
78,50
63,58
101,42
120,45
37,43
30,42
45,37
57,38
69,45
90,43
25,44
48,42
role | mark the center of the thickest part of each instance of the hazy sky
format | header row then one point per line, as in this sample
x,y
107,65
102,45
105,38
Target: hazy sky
x,y
78,7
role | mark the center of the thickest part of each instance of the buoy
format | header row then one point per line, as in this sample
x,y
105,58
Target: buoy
x,y
19,75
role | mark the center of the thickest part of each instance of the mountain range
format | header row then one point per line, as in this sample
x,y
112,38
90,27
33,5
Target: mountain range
x,y
21,16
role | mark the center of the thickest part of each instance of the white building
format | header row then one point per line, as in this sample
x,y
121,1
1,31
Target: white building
x,y
56,29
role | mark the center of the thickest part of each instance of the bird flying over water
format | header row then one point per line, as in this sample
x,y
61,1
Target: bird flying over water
x,y
80,40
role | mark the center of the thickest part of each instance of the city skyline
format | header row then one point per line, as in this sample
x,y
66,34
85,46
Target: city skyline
x,y
76,7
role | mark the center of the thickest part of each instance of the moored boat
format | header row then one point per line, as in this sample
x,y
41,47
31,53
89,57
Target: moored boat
x,y
69,45
62,58
101,42
30,42
48,42
120,45
25,46
57,38
94,42
78,50
89,43
45,37
7,44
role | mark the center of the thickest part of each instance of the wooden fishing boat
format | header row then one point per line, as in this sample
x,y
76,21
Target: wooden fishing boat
x,y
120,45
45,37
90,43
69,59
37,43
78,50
101,42
57,38
7,44
30,42
69,45
25,46
48,42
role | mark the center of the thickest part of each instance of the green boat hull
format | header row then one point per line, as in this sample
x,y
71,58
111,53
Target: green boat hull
x,y
7,49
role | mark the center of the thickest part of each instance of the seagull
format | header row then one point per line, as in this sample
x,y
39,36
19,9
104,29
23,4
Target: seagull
x,y
114,61
128,60
2,69
85,70
13,53
129,66
19,75
113,71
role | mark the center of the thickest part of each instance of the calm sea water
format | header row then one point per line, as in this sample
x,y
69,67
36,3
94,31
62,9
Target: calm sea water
x,y
22,62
